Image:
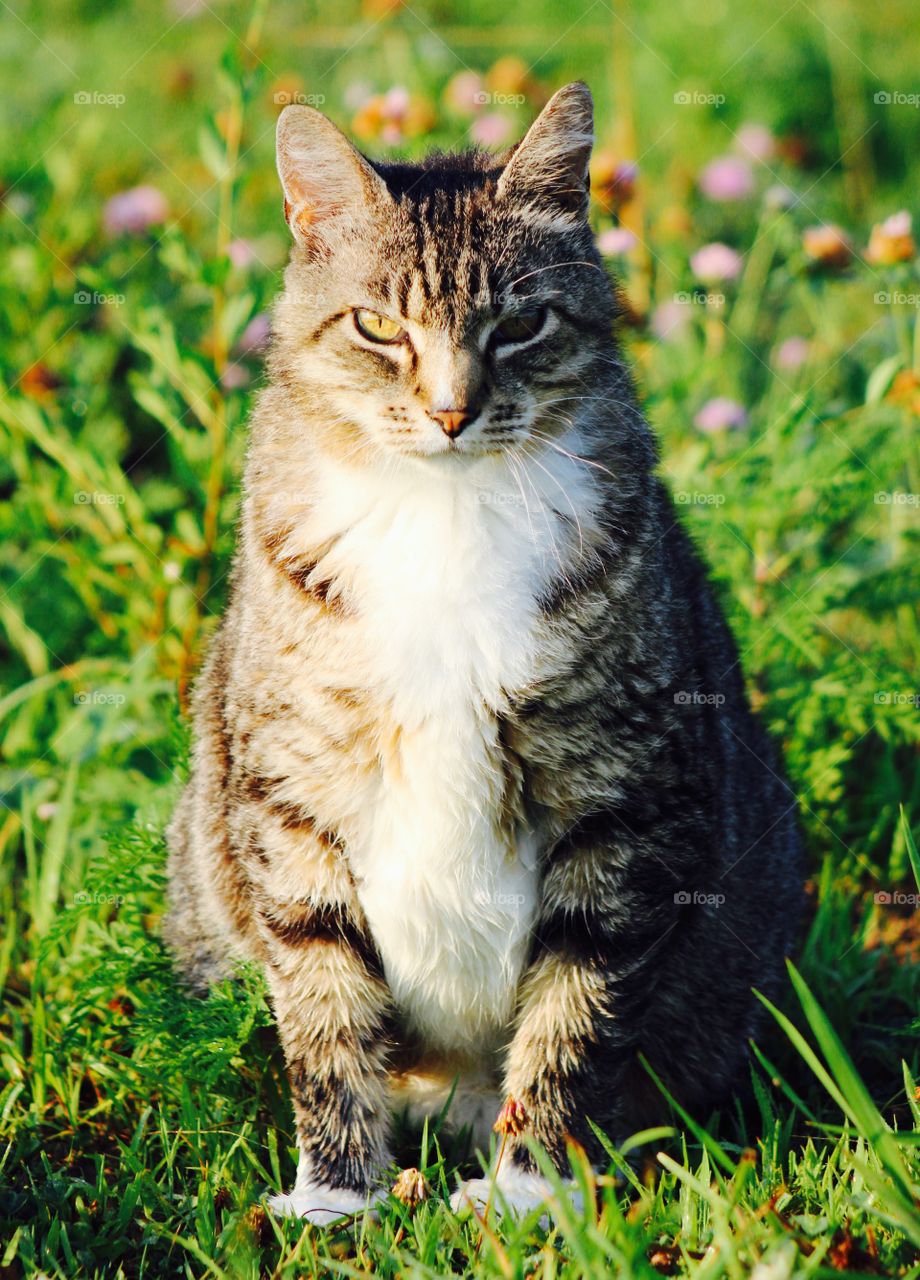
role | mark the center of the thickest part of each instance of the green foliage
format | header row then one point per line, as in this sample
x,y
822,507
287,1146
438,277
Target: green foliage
x,y
139,1128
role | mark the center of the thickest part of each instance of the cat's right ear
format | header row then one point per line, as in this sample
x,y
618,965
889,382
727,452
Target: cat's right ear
x,y
322,174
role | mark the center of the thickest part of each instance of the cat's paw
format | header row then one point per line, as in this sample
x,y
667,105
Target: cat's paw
x,y
513,1191
321,1204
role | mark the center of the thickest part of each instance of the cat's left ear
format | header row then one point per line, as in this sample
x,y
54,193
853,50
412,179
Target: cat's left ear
x,y
549,167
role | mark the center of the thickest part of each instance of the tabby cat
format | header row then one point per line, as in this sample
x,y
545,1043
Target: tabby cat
x,y
475,778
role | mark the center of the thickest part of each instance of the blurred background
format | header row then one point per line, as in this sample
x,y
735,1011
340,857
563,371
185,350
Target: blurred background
x,y
754,181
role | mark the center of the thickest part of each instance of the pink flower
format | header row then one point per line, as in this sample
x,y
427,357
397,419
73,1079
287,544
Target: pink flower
x,y
396,102
132,212
234,376
792,353
756,141
669,320
491,130
716,262
720,414
465,93
616,240
728,178
241,253
255,336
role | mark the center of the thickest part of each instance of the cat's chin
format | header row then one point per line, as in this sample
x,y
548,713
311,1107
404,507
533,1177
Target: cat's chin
x,y
321,1204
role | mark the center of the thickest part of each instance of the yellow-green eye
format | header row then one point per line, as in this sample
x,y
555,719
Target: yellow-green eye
x,y
378,328
519,328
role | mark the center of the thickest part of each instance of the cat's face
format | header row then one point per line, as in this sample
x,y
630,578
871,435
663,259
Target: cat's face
x,y
451,309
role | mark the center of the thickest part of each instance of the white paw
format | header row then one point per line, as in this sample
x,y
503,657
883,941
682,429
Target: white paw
x,y
320,1204
513,1191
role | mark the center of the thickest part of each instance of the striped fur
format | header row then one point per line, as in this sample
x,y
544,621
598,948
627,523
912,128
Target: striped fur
x,y
474,778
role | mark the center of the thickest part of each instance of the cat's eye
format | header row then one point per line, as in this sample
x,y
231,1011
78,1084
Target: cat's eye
x,y
519,328
378,328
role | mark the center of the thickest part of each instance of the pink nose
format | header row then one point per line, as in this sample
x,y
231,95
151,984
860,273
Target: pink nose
x,y
453,421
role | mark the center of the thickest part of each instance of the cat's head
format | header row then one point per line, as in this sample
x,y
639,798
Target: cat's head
x,y
453,308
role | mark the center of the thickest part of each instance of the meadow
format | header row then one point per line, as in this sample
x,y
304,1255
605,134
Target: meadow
x,y
753,184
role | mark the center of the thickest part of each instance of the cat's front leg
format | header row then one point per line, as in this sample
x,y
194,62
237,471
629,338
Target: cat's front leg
x,y
582,1006
332,1004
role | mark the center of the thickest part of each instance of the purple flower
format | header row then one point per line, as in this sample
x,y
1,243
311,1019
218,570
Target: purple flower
x,y
255,336
491,129
241,253
616,240
728,178
716,262
132,212
720,414
756,141
792,353
669,320
234,376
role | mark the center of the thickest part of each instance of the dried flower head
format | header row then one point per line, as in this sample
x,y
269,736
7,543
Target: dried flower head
x,y
512,1119
829,245
411,1188
892,241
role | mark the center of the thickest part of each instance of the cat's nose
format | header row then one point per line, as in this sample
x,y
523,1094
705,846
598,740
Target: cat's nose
x,y
453,421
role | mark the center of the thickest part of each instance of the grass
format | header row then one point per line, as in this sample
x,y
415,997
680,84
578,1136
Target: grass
x,y
140,1131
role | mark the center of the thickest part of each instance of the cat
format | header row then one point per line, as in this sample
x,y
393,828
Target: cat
x,y
474,777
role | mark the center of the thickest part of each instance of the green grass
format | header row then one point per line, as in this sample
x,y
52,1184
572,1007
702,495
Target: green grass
x,y
140,1131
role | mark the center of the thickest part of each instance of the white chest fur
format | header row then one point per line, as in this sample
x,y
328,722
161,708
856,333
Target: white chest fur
x,y
446,565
